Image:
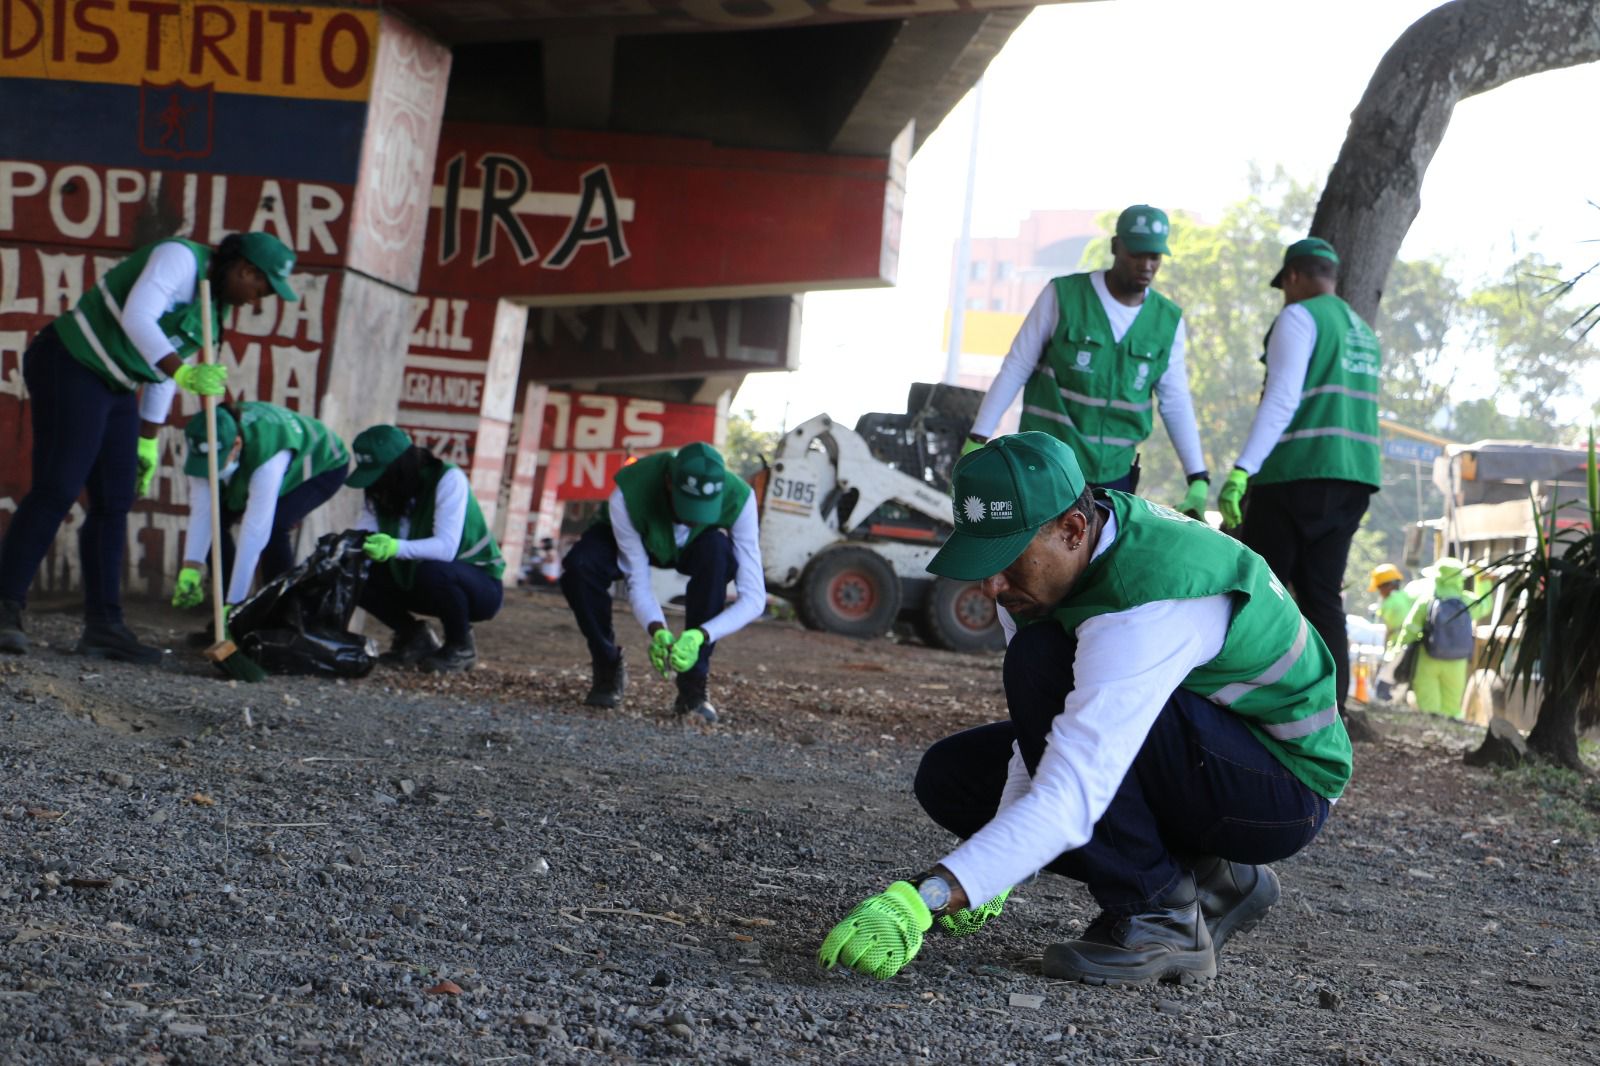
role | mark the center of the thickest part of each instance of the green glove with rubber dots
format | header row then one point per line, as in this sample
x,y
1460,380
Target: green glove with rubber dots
x,y
1194,501
380,547
149,462
1229,498
686,649
661,652
881,935
190,590
969,920
202,379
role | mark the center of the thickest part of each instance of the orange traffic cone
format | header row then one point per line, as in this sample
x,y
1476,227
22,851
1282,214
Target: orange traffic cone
x,y
1361,682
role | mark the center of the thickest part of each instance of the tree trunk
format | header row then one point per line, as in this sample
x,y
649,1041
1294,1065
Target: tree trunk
x,y
1555,735
1455,51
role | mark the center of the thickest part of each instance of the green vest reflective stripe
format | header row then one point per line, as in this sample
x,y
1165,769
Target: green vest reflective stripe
x,y
644,490
1274,671
92,331
1334,432
477,547
1093,392
268,429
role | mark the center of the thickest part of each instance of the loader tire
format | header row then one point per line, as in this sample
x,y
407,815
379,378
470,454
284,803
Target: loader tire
x,y
958,616
850,591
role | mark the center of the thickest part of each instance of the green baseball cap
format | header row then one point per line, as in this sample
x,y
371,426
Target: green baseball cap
x,y
697,474
1003,493
194,464
1300,249
274,259
1143,229
376,447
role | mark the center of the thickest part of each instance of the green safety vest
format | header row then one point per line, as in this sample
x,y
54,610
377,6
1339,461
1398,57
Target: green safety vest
x,y
1095,393
644,490
1334,432
1274,671
478,546
92,331
268,429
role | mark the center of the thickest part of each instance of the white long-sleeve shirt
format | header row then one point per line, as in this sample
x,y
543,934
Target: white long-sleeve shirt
x,y
1289,347
254,528
169,278
1027,348
1127,666
449,520
750,584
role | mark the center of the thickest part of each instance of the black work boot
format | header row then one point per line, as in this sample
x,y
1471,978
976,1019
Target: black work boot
x,y
1168,942
115,641
610,679
1234,897
412,644
692,699
12,638
453,658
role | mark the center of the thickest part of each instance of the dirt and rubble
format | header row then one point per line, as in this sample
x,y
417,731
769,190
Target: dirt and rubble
x,y
478,869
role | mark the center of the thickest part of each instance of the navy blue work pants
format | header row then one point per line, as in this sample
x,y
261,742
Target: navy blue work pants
x,y
455,593
85,436
1201,785
278,554
1303,530
590,569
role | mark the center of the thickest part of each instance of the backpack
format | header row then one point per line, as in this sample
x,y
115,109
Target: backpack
x,y
1448,632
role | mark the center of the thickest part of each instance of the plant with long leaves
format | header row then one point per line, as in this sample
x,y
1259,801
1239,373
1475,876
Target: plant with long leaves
x,y
1545,641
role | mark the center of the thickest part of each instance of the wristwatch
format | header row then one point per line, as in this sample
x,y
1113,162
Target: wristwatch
x,y
935,893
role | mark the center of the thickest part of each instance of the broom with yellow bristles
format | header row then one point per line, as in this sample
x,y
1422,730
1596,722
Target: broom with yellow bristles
x,y
233,662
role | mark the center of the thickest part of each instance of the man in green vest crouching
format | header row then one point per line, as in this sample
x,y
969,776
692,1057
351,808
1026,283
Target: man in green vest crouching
x,y
1095,354
1172,730
680,510
1311,460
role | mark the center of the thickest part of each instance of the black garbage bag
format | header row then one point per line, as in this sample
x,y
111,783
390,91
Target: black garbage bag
x,y
298,623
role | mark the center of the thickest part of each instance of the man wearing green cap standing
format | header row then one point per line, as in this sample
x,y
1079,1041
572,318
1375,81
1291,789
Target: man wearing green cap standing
x,y
275,466
1094,356
1311,460
433,550
680,510
92,430
1172,729
1442,621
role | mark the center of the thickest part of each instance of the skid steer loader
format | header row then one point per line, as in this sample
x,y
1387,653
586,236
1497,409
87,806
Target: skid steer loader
x,y
850,518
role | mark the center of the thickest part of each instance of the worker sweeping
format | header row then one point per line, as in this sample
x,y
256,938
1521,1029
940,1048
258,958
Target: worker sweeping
x,y
433,551
100,383
1442,620
680,510
1172,730
1093,353
276,467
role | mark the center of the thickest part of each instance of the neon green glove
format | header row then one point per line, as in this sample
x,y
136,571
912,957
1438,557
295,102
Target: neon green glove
x,y
227,617
661,652
969,920
189,592
380,547
970,446
1194,501
686,649
202,379
1228,499
149,463
881,935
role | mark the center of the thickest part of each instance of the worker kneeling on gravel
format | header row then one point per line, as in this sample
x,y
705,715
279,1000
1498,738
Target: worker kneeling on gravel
x,y
1172,728
678,510
433,550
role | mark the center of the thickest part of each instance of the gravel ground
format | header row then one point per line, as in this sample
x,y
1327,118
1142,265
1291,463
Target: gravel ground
x,y
479,870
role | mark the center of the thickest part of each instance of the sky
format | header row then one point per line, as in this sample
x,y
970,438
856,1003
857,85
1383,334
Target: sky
x,y
1169,102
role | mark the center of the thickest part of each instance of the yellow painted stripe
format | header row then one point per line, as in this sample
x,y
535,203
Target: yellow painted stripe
x,y
313,53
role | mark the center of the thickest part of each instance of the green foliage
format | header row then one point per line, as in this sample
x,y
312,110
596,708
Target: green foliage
x,y
745,446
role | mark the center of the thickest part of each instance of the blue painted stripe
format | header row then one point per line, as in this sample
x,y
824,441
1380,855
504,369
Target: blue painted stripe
x,y
83,122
